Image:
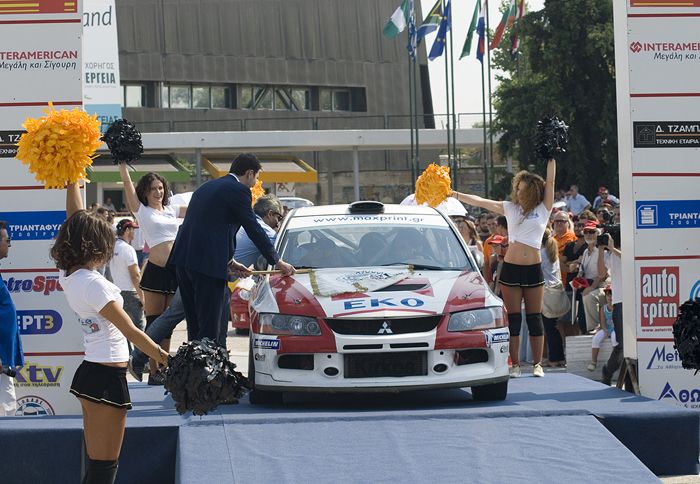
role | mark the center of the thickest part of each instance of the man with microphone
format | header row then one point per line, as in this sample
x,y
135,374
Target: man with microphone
x,y
11,355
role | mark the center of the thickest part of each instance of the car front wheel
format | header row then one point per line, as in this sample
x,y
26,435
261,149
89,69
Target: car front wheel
x,y
494,391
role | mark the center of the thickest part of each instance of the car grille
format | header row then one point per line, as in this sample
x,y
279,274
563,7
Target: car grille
x,y
378,327
374,365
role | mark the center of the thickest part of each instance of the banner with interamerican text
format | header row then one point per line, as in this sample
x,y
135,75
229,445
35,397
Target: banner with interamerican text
x,y
657,57
40,62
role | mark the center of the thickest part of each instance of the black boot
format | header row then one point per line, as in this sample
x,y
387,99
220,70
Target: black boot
x,y
100,471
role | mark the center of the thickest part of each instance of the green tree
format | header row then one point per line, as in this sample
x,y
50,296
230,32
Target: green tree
x,y
566,67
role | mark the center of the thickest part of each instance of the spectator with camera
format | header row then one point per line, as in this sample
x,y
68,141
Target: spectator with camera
x,y
11,355
611,243
595,274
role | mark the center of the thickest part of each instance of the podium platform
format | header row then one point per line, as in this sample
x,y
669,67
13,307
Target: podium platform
x,y
561,428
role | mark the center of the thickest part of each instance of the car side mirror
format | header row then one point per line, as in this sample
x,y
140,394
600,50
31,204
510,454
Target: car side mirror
x,y
478,256
260,263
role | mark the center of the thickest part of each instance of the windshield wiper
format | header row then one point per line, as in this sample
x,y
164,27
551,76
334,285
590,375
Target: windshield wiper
x,y
419,267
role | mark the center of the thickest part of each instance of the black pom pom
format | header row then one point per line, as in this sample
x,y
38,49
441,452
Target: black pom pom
x,y
200,377
686,334
123,141
551,138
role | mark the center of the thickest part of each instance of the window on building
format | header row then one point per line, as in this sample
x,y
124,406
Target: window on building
x,y
325,100
245,97
301,98
341,100
134,95
220,97
180,96
262,98
200,97
165,96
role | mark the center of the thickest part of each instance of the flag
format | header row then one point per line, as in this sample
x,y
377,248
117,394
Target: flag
x,y
506,21
398,20
481,30
439,44
515,44
431,22
472,27
412,40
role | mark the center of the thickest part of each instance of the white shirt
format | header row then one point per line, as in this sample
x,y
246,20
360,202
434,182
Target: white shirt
x,y
138,241
576,204
124,257
526,230
589,263
158,226
615,268
88,293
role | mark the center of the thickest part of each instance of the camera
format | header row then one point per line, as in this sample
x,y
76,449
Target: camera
x,y
609,230
8,371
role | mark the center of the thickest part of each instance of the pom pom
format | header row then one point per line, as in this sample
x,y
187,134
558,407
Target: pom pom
x,y
257,191
200,377
551,138
59,147
433,185
123,141
686,334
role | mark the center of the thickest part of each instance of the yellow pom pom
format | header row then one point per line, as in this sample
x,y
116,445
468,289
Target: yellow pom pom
x,y
59,147
433,185
257,191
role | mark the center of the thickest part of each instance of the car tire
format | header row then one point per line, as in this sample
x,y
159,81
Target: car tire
x,y
259,396
494,391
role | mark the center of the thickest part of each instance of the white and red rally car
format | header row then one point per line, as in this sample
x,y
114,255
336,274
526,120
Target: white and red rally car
x,y
393,301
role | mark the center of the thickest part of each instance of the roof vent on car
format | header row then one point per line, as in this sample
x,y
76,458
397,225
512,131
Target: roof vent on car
x,y
367,206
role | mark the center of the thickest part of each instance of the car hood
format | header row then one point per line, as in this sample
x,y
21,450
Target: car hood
x,y
419,293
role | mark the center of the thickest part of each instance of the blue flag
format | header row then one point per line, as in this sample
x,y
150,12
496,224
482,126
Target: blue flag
x,y
439,44
412,37
481,30
431,21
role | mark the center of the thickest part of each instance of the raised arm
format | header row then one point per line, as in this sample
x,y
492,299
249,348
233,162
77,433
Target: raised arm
x,y
132,201
549,184
490,205
74,201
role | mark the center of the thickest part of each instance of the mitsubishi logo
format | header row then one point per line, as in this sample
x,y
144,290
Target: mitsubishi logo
x,y
385,329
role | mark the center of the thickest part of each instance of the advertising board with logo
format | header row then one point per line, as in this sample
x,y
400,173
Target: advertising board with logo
x,y
102,92
657,59
40,62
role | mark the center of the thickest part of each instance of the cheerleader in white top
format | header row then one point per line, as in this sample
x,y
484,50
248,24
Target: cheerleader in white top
x,y
521,278
84,243
158,220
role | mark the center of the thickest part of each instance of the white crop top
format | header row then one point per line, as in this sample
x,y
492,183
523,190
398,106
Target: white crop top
x,y
157,226
88,292
526,230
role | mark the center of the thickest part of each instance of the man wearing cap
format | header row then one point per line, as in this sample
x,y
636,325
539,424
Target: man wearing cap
x,y
593,295
563,234
605,196
124,267
499,246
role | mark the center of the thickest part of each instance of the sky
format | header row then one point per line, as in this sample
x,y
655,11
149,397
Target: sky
x,y
467,74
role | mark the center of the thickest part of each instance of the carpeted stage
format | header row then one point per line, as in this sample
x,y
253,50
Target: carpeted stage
x,y
561,428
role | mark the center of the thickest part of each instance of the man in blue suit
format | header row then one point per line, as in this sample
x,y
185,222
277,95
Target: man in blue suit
x,y
203,250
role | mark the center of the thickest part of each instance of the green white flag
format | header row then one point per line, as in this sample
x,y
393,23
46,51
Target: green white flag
x,y
472,28
398,21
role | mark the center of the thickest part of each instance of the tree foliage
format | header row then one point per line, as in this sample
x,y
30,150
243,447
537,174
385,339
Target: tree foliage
x,y
566,67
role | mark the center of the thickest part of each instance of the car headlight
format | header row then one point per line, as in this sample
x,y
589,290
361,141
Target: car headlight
x,y
484,318
290,324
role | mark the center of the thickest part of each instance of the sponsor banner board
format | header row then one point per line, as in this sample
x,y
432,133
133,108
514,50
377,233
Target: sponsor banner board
x,y
667,214
40,62
102,92
43,383
663,285
662,377
666,134
664,55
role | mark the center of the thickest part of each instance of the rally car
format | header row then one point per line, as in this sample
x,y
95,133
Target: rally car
x,y
390,299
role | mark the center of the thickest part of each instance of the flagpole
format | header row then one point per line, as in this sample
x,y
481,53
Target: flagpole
x,y
454,118
416,123
488,61
483,152
410,107
447,93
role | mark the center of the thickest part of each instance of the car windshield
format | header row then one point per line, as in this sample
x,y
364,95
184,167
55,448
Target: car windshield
x,y
429,247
